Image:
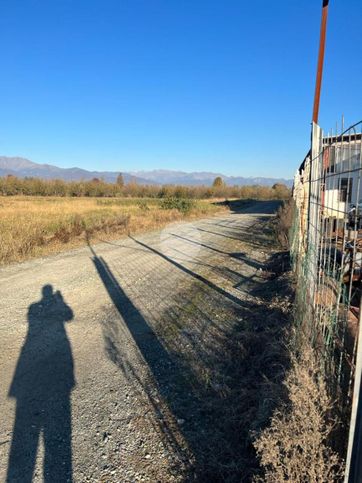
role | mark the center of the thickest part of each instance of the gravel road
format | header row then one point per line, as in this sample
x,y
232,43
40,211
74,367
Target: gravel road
x,y
117,359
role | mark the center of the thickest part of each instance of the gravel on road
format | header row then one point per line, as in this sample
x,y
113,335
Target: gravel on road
x,y
135,360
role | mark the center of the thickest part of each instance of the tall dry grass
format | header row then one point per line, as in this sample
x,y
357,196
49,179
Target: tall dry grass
x,y
37,226
295,446
299,442
283,223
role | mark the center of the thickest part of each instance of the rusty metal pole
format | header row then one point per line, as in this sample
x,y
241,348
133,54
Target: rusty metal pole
x,y
317,95
322,43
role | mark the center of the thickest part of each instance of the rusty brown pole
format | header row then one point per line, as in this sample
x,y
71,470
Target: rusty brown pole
x,y
322,43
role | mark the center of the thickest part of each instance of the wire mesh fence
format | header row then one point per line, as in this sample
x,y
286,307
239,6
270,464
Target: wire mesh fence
x,y
327,252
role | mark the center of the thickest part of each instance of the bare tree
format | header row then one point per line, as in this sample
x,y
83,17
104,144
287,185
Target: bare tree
x,y
120,180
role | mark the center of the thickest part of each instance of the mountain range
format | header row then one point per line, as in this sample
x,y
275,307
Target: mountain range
x,y
22,168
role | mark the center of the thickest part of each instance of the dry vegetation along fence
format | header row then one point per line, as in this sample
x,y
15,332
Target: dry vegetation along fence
x,y
295,445
326,251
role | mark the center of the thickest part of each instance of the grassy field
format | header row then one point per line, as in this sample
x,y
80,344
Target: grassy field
x,y
37,226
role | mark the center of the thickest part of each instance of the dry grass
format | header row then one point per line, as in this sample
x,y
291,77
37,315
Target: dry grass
x,y
37,226
283,223
299,442
295,445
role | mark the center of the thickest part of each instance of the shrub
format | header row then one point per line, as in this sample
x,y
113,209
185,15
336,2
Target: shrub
x,y
218,182
142,204
184,205
11,185
283,223
295,446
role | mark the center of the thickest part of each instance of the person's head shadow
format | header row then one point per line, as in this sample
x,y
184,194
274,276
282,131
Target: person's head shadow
x,y
41,385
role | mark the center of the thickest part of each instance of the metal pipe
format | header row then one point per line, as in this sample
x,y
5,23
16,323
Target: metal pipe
x,y
322,43
354,453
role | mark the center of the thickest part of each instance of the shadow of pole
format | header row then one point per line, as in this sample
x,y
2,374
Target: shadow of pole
x,y
173,379
196,276
237,255
163,368
217,415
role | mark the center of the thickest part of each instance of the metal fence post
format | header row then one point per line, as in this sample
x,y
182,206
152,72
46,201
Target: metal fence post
x,y
353,472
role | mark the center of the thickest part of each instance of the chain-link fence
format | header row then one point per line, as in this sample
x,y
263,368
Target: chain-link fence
x,y
327,254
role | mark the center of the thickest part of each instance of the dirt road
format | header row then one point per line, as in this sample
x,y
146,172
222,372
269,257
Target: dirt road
x,y
136,360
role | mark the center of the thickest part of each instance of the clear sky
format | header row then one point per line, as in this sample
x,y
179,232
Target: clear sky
x,y
210,85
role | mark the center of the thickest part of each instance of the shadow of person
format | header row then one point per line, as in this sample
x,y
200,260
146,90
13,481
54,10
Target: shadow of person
x,y
41,385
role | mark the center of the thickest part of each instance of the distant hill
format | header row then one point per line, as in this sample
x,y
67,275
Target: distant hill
x,y
162,176
22,167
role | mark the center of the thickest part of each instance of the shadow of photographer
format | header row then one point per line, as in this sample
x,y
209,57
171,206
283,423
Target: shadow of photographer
x,y
42,384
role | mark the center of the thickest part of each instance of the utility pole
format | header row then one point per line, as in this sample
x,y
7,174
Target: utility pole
x,y
322,44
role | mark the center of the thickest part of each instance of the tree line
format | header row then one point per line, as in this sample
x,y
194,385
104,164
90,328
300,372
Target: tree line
x,y
12,185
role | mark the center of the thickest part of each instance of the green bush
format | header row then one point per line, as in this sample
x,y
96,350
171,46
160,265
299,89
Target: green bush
x,y
184,205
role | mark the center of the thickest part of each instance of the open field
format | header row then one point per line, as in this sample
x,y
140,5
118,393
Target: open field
x,y
36,226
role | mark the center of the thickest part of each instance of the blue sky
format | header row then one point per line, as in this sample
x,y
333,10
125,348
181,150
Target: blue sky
x,y
176,84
